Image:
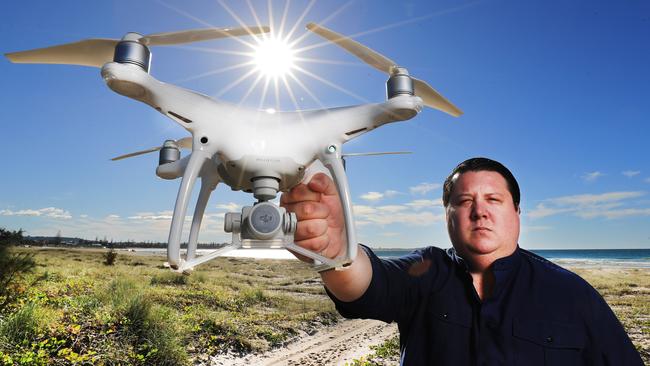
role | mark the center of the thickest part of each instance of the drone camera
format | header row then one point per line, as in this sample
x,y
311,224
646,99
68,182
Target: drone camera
x,y
262,221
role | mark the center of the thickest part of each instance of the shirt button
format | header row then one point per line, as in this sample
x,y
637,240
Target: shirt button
x,y
445,315
549,339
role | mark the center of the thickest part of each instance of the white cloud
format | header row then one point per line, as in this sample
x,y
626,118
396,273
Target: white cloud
x,y
143,226
230,207
420,204
608,205
423,188
543,211
362,210
151,216
377,196
616,214
83,216
372,196
631,173
51,212
591,177
394,214
534,228
391,208
591,199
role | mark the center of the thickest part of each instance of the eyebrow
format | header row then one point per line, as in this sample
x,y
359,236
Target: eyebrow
x,y
465,194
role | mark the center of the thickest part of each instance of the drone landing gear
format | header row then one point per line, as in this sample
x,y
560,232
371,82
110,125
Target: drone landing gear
x,y
263,225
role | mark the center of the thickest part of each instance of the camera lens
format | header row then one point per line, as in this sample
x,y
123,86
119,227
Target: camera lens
x,y
265,218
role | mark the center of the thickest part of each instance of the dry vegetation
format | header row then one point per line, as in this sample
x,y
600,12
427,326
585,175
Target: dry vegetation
x,y
81,311
627,291
137,312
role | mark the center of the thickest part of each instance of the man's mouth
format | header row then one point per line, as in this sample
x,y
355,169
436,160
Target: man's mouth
x,y
481,228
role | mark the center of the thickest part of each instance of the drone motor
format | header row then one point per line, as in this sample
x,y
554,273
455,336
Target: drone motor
x,y
399,83
130,51
169,152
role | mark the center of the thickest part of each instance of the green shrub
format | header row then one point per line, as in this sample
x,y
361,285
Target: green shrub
x,y
13,268
388,349
148,328
110,257
21,326
118,293
169,278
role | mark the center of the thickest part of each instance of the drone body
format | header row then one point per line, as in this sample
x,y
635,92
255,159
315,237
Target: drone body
x,y
256,151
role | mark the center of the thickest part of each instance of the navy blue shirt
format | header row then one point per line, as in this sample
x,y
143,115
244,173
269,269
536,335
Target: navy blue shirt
x,y
538,313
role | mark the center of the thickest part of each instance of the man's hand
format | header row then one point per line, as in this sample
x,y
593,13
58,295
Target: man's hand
x,y
321,227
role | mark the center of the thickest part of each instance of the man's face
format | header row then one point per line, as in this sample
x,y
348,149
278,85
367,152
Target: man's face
x,y
481,216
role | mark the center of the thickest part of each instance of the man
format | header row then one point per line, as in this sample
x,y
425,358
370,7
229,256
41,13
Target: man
x,y
484,302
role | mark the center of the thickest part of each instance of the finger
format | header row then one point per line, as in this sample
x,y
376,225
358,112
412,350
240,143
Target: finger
x,y
316,245
309,210
310,229
323,184
299,193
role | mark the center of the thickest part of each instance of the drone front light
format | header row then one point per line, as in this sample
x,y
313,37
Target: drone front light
x,y
273,57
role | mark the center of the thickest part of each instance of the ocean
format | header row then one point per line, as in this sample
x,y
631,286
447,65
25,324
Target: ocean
x,y
633,258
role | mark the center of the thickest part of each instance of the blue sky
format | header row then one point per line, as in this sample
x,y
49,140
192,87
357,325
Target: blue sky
x,y
558,91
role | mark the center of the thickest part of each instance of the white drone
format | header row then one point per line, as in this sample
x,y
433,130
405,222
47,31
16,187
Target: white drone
x,y
262,153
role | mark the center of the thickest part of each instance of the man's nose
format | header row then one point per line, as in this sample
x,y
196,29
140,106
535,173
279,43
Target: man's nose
x,y
479,210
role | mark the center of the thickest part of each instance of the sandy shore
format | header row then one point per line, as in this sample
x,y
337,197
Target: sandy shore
x,y
334,345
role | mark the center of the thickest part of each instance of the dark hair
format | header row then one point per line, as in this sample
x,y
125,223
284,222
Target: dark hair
x,y
477,165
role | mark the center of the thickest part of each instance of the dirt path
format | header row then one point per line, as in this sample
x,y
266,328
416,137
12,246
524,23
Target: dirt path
x,y
336,345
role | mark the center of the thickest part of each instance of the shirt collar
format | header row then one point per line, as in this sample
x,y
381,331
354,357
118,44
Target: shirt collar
x,y
502,264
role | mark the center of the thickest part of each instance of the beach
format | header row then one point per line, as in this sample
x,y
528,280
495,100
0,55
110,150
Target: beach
x,y
230,311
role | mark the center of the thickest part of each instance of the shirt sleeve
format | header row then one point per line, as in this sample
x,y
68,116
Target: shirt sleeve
x,y
396,287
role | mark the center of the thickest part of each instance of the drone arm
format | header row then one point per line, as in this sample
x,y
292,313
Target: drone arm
x,y
172,170
184,106
331,158
194,166
344,124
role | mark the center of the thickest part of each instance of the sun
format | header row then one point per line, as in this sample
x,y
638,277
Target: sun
x,y
273,57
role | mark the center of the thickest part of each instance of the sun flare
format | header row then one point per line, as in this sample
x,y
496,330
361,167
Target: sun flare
x,y
273,57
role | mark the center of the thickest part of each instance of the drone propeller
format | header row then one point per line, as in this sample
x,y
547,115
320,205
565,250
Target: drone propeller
x,y
343,156
430,96
376,153
184,143
96,52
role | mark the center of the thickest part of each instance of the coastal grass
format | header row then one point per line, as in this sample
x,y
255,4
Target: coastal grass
x,y
627,291
82,311
78,310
